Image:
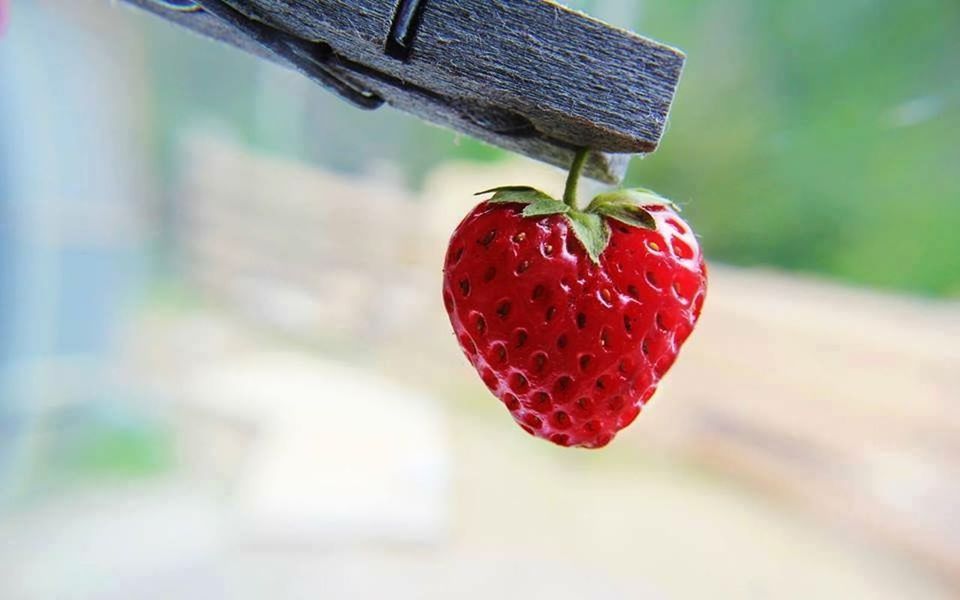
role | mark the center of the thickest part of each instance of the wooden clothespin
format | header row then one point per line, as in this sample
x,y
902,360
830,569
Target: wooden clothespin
x,y
527,75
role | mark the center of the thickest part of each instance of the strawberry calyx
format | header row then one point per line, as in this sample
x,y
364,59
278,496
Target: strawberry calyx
x,y
628,206
538,203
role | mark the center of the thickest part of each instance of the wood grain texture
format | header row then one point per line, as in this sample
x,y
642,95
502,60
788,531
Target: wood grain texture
x,y
526,75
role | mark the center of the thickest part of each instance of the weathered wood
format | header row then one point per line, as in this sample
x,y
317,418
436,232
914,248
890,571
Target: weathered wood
x,y
526,75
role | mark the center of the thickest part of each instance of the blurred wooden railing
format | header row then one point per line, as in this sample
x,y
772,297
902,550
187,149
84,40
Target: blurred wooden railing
x,y
841,400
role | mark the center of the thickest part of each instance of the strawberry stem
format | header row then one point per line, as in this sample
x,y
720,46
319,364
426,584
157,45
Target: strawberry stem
x,y
573,178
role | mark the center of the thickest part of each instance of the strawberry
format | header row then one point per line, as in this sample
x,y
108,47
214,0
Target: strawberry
x,y
571,317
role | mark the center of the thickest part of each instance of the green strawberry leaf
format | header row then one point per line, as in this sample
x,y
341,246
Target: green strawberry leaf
x,y
505,188
638,197
518,194
630,206
634,216
545,207
592,231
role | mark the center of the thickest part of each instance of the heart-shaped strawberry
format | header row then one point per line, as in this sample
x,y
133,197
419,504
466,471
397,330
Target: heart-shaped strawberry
x,y
572,317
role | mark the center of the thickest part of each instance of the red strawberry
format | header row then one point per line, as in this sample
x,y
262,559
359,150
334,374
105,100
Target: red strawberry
x,y
572,317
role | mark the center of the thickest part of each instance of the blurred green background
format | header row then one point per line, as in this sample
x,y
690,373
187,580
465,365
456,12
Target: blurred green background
x,y
815,136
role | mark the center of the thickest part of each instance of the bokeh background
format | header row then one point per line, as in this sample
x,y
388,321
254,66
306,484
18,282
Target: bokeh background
x,y
225,370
